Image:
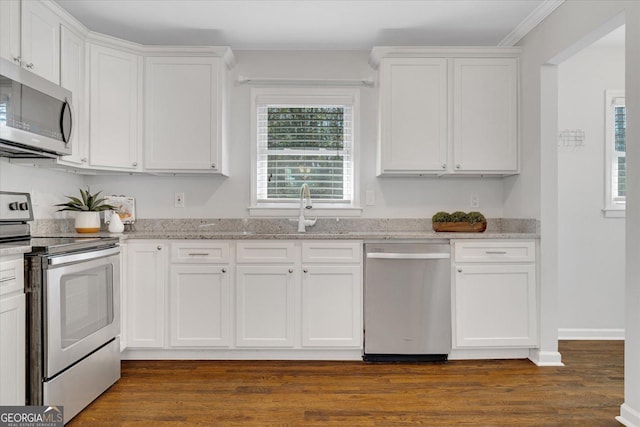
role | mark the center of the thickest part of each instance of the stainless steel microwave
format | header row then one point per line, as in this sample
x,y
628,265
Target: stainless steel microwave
x,y
36,115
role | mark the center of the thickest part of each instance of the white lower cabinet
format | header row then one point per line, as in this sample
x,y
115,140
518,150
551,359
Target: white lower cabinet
x,y
265,305
199,294
495,300
145,288
199,306
227,299
331,306
12,332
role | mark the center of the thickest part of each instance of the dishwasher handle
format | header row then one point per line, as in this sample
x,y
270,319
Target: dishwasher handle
x,y
391,255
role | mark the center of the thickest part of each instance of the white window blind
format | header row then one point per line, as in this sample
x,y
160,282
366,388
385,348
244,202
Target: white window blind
x,y
619,166
305,143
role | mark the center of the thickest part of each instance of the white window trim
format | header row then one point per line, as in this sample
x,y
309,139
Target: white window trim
x,y
305,96
611,209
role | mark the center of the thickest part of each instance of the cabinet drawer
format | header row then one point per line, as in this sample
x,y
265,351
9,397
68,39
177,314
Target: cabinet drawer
x,y
332,252
248,252
492,251
200,252
11,276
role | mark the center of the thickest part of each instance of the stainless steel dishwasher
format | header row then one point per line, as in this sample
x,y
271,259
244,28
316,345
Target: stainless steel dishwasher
x,y
407,302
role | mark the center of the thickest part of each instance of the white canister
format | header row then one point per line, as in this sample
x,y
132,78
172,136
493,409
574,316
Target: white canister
x,y
115,223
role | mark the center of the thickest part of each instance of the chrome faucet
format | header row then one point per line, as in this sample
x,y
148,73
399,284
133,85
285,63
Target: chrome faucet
x,y
305,203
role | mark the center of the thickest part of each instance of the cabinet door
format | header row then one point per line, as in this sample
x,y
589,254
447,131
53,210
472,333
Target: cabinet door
x,y
495,305
40,41
265,306
199,306
12,350
413,115
181,113
146,277
10,30
72,74
331,306
485,115
114,105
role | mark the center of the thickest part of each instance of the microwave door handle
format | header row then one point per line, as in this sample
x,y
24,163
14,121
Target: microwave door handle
x,y
67,106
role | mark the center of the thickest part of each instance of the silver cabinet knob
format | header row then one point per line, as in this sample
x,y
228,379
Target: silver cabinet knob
x,y
134,164
291,270
459,270
159,247
458,166
29,65
306,270
16,59
224,270
213,165
83,160
444,166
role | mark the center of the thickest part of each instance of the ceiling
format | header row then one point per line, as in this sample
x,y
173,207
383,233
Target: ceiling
x,y
313,24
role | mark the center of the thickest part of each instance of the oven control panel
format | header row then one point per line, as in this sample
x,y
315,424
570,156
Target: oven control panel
x,y
15,207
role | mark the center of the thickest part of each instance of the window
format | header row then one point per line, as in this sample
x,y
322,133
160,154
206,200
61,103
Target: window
x,y
615,166
304,136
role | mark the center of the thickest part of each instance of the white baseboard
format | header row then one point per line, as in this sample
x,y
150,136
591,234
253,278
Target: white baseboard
x,y
590,334
628,417
545,358
240,354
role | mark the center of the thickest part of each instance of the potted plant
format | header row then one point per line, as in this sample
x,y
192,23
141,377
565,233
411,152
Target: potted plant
x,y
472,222
87,209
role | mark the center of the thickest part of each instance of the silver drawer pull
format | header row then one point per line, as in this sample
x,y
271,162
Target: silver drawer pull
x,y
198,254
7,279
496,252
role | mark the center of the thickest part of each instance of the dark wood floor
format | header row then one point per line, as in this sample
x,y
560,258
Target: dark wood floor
x,y
587,391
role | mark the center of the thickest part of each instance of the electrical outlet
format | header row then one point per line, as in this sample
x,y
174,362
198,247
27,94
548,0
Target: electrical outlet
x,y
475,201
178,200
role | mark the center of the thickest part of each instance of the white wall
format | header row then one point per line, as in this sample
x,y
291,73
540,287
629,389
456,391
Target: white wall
x,y
534,192
47,187
212,196
590,247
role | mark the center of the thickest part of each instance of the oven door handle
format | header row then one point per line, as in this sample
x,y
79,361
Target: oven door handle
x,y
83,256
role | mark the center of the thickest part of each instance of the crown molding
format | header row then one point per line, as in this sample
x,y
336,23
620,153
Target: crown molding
x,y
379,52
529,23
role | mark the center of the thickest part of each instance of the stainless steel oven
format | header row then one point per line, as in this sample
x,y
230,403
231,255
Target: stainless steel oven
x,y
72,287
73,321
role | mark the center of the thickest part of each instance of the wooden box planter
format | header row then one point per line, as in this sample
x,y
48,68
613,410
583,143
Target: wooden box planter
x,y
459,227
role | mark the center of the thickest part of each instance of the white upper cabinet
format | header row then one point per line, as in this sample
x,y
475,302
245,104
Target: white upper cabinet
x,y
72,77
485,115
10,30
413,115
183,113
447,111
40,41
30,37
115,103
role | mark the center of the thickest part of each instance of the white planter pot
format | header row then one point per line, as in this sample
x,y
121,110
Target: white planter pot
x,y
87,222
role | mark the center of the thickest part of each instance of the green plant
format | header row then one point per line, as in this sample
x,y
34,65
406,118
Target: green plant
x,y
459,216
86,203
441,217
475,217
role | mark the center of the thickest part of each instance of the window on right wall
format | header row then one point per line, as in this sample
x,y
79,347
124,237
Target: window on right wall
x,y
615,156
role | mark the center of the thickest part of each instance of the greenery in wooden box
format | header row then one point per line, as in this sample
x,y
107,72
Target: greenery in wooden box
x,y
472,222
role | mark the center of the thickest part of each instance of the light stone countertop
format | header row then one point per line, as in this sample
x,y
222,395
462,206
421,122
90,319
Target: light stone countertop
x,y
283,229
14,248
